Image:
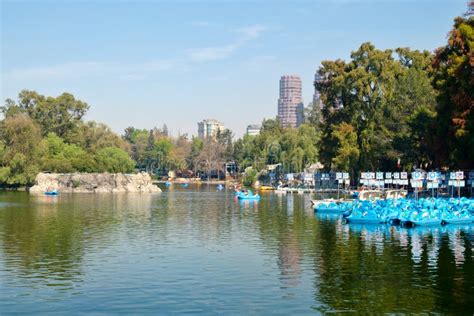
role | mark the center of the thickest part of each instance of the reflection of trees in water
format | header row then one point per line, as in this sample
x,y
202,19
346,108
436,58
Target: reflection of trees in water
x,y
197,214
372,268
392,269
283,228
46,242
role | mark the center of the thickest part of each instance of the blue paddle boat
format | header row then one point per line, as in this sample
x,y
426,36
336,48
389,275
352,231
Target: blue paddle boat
x,y
52,192
248,196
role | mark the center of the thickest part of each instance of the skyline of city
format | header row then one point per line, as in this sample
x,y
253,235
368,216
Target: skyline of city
x,y
143,69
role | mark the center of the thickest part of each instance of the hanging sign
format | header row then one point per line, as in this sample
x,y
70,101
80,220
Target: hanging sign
x,y
432,185
432,176
416,183
416,175
396,178
403,178
457,183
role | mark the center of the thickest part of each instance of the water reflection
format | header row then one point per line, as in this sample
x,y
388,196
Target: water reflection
x,y
45,238
197,247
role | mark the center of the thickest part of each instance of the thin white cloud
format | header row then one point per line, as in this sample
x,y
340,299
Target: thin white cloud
x,y
212,53
225,51
253,31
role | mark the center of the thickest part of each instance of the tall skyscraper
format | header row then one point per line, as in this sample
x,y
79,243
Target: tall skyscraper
x,y
290,103
209,127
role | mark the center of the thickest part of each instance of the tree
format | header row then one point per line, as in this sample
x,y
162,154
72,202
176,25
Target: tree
x,y
197,144
93,136
113,159
377,93
62,157
347,153
211,157
59,115
180,152
224,138
454,78
20,148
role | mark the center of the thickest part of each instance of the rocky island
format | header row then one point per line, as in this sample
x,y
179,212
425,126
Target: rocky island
x,y
94,183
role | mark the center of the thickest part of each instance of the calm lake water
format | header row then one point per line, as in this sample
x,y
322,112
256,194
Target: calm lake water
x,y
197,250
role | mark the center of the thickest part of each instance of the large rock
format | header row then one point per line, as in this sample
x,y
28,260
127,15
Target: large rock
x,y
95,183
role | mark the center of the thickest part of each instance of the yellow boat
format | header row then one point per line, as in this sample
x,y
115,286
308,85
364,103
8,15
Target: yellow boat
x,y
266,188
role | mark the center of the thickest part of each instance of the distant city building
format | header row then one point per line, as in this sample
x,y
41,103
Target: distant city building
x,y
317,95
290,103
209,127
317,103
253,129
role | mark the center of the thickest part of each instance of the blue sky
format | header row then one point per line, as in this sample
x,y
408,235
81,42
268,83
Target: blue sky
x,y
146,63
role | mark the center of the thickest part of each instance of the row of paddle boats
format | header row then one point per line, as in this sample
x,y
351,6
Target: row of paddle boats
x,y
403,211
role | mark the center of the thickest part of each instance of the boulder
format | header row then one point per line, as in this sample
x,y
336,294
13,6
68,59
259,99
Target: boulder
x,y
95,183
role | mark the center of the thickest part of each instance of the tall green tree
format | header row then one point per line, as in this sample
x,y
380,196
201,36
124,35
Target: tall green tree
x,y
379,93
59,115
454,78
20,149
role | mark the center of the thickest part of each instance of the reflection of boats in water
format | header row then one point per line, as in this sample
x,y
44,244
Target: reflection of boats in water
x,y
359,227
327,215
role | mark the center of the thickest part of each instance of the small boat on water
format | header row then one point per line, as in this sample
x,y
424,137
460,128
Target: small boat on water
x,y
248,195
168,183
52,192
266,188
220,187
184,185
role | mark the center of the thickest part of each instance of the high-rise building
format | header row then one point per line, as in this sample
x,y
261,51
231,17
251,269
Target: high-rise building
x,y
317,103
317,95
253,129
209,127
290,103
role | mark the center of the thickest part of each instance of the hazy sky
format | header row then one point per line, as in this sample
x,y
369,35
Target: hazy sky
x,y
146,63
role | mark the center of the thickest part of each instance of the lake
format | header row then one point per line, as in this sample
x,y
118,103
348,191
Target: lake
x,y
197,250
